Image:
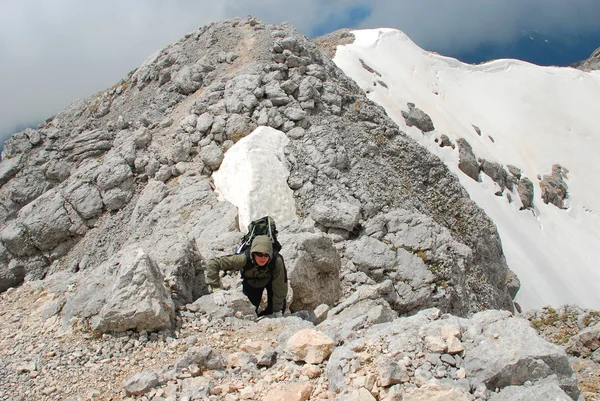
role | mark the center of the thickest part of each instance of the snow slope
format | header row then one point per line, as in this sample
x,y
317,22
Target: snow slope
x,y
531,117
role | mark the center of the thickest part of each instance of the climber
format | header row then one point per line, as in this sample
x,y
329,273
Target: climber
x,y
260,267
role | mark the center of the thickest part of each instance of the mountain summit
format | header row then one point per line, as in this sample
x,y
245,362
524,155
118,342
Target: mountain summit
x,y
110,209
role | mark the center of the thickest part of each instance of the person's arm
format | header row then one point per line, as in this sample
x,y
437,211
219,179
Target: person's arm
x,y
223,263
280,285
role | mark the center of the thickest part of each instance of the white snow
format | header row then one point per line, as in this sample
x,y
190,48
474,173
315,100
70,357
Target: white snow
x,y
253,177
537,117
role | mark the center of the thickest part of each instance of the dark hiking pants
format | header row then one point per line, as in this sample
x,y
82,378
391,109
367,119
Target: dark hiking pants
x,y
255,296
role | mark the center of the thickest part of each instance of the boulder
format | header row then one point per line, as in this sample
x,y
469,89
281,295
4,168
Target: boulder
x,y
313,266
310,346
467,162
331,214
416,117
141,383
203,357
525,190
290,392
554,188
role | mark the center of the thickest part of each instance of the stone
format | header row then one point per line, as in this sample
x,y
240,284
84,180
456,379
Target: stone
x,y
313,265
310,346
525,190
437,392
467,162
141,383
391,372
336,214
361,394
135,298
290,392
203,357
417,118
212,156
554,188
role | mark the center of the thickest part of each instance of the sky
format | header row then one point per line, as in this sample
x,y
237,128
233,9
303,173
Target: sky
x,y
55,52
531,117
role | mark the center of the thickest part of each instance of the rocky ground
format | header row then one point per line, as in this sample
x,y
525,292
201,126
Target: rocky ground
x,y
38,361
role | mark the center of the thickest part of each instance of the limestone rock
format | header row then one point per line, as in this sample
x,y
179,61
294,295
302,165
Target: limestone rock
x,y
417,118
554,188
525,190
310,346
138,299
467,162
336,215
290,392
313,266
141,383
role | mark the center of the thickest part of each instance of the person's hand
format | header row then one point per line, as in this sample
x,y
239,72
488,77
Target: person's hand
x,y
219,297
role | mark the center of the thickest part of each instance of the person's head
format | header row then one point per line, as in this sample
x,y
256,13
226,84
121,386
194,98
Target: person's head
x,y
261,250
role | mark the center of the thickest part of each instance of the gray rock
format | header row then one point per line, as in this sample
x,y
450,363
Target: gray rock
x,y
204,357
416,117
124,293
525,190
445,141
238,126
509,352
495,172
515,171
391,372
87,144
46,233
332,214
370,255
204,122
113,172
9,167
467,162
267,358
547,390
141,383
212,156
585,342
85,198
313,266
554,188
187,80
180,151
338,368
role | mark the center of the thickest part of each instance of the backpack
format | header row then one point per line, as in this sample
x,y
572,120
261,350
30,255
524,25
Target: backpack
x,y
263,226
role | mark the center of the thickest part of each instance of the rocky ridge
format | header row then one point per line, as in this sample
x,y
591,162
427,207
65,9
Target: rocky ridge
x,y
111,203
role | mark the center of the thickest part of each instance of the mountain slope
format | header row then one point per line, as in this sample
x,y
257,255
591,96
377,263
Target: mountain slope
x,y
511,113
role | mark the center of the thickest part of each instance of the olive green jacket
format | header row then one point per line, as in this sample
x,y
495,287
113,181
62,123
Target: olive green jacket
x,y
256,276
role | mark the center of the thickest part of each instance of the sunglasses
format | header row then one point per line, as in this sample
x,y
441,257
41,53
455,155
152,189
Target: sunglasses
x,y
261,255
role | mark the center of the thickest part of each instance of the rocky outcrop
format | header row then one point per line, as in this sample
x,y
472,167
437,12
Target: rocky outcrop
x,y
313,269
590,64
554,188
416,117
467,162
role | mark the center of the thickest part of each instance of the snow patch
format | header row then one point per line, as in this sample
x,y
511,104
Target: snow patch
x,y
253,177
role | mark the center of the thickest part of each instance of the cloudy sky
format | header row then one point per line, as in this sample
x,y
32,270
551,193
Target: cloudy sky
x,y
55,52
